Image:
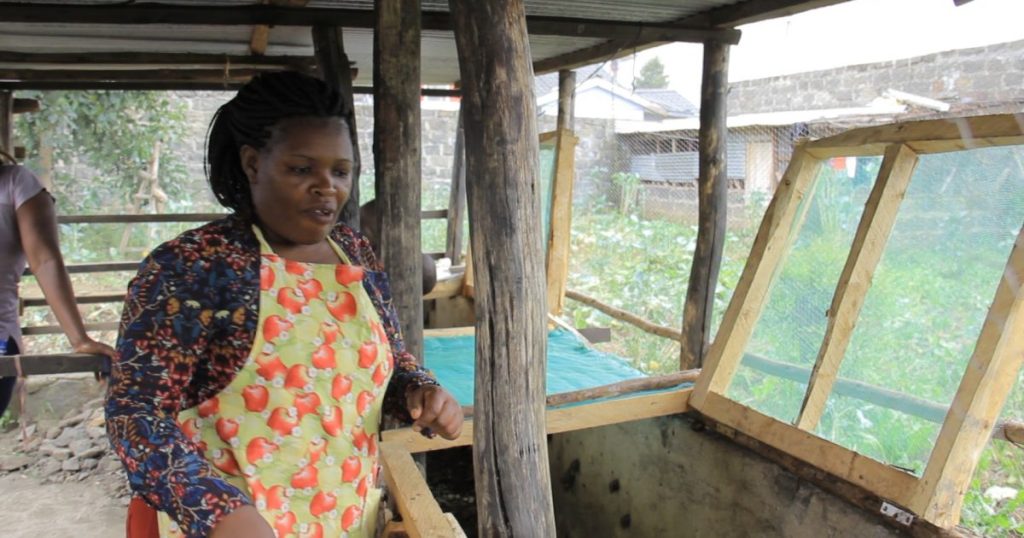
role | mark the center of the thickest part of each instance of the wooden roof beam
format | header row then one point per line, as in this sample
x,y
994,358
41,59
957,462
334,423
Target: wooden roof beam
x,y
78,59
347,18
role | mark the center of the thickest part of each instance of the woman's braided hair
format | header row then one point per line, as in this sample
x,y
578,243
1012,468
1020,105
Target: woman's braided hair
x,y
249,118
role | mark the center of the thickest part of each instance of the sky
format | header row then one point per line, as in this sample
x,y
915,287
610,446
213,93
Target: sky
x,y
856,32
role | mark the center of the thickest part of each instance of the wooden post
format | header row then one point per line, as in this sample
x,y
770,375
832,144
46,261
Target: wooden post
x,y
6,121
712,182
865,252
566,105
335,69
457,196
992,371
510,456
396,157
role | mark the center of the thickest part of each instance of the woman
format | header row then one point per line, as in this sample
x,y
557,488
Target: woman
x,y
28,232
257,352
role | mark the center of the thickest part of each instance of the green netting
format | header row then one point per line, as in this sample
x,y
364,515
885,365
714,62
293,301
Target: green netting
x,y
572,365
793,321
929,297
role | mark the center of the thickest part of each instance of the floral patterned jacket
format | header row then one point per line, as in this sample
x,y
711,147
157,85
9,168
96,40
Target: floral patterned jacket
x,y
188,325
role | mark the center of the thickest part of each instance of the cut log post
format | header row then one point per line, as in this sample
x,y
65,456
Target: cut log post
x,y
396,155
712,183
566,105
336,70
6,121
510,457
457,197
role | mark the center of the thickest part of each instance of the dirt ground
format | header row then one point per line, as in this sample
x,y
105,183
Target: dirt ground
x,y
31,509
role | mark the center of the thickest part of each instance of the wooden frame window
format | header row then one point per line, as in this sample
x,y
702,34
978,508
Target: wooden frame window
x,y
936,495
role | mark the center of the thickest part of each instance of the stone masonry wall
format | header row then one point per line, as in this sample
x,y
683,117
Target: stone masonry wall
x,y
967,78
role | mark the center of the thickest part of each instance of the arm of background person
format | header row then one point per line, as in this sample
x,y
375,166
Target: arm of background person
x,y
37,226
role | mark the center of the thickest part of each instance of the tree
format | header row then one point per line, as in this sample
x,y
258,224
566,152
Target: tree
x,y
652,75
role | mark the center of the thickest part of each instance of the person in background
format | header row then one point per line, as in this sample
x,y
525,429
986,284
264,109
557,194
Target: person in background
x,y
28,235
258,352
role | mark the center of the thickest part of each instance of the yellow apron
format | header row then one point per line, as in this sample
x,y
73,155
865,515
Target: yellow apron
x,y
297,427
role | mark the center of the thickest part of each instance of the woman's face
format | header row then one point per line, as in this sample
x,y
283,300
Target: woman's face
x,y
301,179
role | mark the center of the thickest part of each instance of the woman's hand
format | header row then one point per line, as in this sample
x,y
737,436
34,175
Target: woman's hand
x,y
244,522
430,406
92,347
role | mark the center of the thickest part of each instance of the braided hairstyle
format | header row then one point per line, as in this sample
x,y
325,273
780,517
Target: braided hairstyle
x,y
249,118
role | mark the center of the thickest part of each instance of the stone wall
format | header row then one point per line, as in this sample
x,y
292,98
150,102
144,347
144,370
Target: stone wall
x,y
967,78
595,154
658,477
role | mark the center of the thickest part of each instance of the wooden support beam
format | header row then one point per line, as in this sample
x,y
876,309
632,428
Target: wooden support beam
x,y
499,116
566,102
100,267
578,417
142,59
421,515
991,372
457,196
712,191
335,69
210,75
56,329
396,155
748,12
561,220
865,252
929,136
770,246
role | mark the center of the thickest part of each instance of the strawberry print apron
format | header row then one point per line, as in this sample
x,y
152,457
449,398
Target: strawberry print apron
x,y
297,427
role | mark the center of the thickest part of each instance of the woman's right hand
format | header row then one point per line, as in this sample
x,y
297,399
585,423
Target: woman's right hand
x,y
244,522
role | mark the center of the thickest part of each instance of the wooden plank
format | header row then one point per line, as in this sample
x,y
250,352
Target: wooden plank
x,y
712,191
422,517
115,219
64,363
104,267
991,373
579,417
596,335
435,214
499,118
778,229
457,196
561,222
25,106
450,331
174,85
869,242
56,329
888,482
749,12
929,136
142,59
336,70
80,298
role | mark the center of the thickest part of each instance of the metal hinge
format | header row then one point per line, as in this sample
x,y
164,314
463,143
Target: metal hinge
x,y
897,513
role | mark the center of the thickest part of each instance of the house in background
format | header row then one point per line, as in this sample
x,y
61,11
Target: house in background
x,y
599,96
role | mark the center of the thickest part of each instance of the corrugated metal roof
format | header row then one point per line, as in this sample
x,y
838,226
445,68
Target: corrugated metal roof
x,y
440,65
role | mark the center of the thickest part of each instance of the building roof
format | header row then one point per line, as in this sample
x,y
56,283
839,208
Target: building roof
x,y
671,100
42,41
